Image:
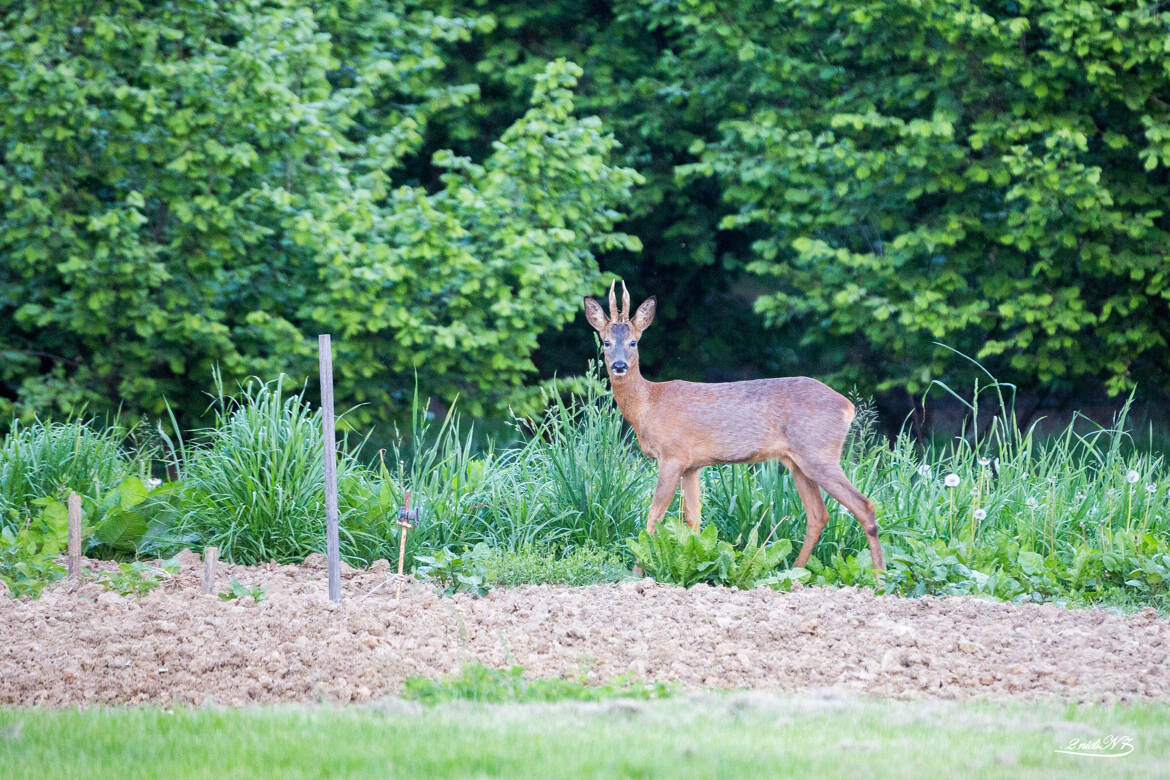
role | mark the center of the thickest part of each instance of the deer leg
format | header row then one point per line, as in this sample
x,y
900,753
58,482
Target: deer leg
x,y
814,509
692,498
668,476
836,484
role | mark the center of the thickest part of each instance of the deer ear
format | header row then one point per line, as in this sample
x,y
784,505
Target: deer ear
x,y
645,314
595,314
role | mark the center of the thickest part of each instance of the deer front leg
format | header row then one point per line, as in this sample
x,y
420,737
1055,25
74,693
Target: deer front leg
x,y
668,476
692,498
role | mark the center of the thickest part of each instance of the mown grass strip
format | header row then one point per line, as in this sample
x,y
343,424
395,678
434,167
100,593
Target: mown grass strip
x,y
704,735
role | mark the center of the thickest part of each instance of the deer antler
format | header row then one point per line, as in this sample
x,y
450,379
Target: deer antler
x,y
616,315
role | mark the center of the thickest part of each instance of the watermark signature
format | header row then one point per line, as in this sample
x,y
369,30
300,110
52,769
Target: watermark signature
x,y
1102,747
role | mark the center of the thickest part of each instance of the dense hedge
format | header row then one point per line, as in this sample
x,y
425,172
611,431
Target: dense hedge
x,y
198,183
193,184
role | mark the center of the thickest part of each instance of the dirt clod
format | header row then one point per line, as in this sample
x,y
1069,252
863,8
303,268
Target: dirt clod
x,y
82,645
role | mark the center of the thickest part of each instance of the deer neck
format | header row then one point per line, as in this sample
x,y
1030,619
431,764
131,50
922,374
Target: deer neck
x,y
632,394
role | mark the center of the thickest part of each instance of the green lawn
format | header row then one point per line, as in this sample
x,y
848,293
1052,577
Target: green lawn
x,y
752,735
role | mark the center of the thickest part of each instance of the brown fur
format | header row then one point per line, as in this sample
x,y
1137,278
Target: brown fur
x,y
686,426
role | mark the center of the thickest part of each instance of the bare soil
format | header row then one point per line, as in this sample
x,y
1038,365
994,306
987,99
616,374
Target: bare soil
x,y
79,644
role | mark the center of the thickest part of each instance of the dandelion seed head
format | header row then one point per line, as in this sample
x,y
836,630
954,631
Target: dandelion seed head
x,y
952,480
924,470
1032,502
1132,477
980,514
985,461
1151,488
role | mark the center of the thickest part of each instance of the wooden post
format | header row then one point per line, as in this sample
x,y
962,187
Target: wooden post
x,y
74,566
404,518
332,549
210,556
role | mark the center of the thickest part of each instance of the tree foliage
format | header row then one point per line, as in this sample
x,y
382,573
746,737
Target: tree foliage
x,y
657,112
193,184
990,175
190,184
879,175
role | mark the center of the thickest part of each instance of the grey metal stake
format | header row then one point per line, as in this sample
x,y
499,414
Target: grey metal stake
x,y
332,549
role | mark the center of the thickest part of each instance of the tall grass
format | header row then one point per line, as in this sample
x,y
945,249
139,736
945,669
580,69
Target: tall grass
x,y
1080,511
576,481
253,483
995,510
50,459
446,475
583,469
998,510
1082,485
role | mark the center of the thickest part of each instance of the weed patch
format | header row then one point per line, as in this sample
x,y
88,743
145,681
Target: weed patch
x,y
495,686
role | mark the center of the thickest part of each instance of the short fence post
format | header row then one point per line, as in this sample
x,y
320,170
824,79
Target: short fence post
x,y
210,556
332,548
74,567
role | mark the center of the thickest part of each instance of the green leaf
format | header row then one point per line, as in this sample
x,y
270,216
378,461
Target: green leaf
x,y
1031,563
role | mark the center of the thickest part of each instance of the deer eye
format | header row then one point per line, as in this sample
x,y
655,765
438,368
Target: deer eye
x,y
633,343
607,343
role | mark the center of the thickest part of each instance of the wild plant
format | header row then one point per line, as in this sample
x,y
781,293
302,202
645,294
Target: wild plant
x,y
28,554
453,572
238,590
137,578
678,555
253,484
50,459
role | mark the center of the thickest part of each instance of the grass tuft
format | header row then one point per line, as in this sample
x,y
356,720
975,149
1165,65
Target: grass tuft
x,y
50,459
480,683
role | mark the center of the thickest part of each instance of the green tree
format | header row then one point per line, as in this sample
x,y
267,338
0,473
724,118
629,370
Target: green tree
x,y
195,184
627,50
992,175
987,174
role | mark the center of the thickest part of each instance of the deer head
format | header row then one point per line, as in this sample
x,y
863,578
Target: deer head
x,y
620,334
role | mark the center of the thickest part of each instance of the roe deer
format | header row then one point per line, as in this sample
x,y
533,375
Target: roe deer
x,y
688,425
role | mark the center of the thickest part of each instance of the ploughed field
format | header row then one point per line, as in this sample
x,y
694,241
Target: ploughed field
x,y
79,644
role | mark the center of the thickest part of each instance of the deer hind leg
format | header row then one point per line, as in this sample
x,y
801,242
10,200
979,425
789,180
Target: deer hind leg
x,y
692,498
669,475
814,508
831,477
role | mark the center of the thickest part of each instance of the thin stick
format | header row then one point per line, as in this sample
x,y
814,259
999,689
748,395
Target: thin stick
x,y
210,556
404,524
332,548
765,544
374,590
74,534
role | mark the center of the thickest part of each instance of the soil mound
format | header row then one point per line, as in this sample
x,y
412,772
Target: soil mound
x,y
79,644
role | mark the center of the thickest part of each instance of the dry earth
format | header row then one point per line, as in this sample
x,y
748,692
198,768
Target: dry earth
x,y
83,645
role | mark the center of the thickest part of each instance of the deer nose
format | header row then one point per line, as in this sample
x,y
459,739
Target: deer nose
x,y
620,367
